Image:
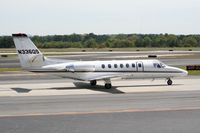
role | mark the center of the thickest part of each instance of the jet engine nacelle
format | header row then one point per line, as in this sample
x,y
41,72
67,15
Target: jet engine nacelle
x,y
79,68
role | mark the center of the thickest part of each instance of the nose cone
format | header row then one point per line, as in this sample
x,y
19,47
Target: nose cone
x,y
178,71
184,72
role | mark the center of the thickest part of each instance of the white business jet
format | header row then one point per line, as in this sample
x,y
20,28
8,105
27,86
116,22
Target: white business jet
x,y
31,59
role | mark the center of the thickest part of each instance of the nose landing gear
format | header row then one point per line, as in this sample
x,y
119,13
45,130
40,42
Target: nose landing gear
x,y
108,84
169,82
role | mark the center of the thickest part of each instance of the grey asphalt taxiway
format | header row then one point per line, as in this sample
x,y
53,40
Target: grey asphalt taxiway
x,y
57,105
114,113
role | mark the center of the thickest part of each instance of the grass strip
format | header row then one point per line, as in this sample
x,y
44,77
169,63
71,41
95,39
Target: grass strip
x,y
11,50
10,69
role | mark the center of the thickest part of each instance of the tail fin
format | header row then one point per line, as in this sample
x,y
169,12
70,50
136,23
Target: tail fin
x,y
29,55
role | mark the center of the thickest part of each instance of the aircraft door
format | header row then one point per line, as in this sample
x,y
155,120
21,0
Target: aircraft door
x,y
140,66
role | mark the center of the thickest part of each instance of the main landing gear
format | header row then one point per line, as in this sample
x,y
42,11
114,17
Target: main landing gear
x,y
107,83
108,86
93,82
169,82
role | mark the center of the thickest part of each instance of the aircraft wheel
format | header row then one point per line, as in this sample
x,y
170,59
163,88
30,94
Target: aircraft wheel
x,y
108,86
169,82
93,82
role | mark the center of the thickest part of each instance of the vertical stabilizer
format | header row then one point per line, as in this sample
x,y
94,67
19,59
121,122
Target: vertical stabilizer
x,y
29,55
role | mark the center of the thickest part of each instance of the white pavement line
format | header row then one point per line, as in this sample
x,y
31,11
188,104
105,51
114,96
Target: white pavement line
x,y
144,56
19,74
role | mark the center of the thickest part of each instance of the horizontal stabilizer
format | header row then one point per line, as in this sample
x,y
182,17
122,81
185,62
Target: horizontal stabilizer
x,y
19,35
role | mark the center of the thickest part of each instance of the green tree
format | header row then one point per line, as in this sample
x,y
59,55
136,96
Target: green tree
x,y
121,36
91,43
172,40
126,43
190,41
133,38
6,42
111,41
160,41
147,41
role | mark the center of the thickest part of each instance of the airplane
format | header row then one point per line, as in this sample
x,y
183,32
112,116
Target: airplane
x,y
31,59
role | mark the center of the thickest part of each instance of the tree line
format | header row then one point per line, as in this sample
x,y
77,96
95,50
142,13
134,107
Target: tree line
x,y
92,40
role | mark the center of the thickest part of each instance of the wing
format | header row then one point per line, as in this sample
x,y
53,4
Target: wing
x,y
104,76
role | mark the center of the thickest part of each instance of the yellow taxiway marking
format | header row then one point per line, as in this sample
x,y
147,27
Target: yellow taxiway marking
x,y
103,112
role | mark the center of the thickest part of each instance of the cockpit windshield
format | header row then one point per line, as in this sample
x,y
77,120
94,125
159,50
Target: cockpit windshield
x,y
162,65
159,65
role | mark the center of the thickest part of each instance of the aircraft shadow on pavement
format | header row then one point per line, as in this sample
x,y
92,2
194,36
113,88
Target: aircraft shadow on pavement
x,y
82,85
21,90
78,85
113,90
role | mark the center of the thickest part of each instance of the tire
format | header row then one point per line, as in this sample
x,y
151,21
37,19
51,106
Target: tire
x,y
108,86
93,82
169,82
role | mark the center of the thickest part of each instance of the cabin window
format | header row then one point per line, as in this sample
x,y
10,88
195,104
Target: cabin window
x,y
133,65
139,65
103,66
127,65
109,65
115,65
121,65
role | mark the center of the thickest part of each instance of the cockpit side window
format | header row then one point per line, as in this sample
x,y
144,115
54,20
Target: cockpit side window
x,y
157,65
